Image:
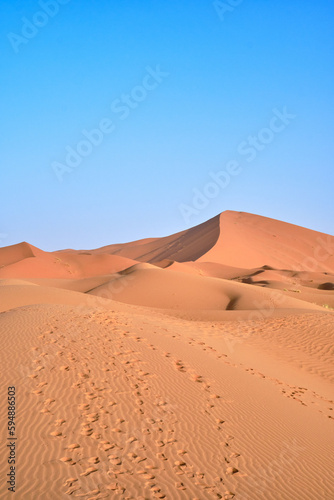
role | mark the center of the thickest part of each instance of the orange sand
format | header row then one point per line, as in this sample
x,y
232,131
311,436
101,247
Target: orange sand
x,y
195,366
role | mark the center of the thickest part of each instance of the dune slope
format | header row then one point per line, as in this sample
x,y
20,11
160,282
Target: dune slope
x,y
120,404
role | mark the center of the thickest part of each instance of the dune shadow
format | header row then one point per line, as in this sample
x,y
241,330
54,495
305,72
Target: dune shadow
x,y
326,286
231,305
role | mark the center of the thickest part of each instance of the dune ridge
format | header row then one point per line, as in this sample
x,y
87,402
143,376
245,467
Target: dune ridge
x,y
195,366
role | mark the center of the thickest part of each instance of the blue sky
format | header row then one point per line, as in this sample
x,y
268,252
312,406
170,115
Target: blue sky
x,y
183,91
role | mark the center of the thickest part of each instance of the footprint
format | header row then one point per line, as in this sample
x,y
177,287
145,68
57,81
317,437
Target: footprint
x,y
231,470
92,417
56,433
73,446
96,435
60,422
49,401
132,439
113,486
108,446
87,432
70,481
72,489
68,460
89,471
180,486
84,407
115,460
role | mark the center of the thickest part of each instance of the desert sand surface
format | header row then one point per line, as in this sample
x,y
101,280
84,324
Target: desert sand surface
x,y
195,366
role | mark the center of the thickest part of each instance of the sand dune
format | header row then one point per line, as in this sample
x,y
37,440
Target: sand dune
x,y
66,265
240,240
100,415
184,246
252,241
195,366
16,253
15,296
156,288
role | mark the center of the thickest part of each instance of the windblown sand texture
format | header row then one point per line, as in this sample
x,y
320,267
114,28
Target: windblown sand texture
x,y
196,366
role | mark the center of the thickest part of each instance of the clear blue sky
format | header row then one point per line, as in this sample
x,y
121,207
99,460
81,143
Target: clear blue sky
x,y
220,76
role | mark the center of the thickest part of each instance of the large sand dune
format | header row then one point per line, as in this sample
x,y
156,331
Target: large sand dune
x,y
195,366
237,239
